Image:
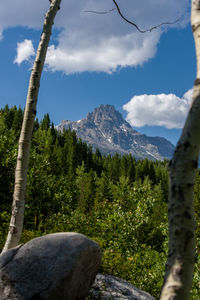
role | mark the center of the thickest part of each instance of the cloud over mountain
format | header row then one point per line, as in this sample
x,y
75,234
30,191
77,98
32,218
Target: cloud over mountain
x,y
97,42
169,110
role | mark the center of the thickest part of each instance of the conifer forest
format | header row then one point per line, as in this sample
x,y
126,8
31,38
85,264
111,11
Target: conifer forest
x,y
117,201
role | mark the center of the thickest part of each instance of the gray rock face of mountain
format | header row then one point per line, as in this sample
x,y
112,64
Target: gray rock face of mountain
x,y
105,128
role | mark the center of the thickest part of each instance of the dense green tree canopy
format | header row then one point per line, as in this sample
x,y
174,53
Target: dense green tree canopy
x,y
117,201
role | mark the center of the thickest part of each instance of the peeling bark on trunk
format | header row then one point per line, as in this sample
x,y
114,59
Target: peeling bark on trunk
x,y
17,218
181,254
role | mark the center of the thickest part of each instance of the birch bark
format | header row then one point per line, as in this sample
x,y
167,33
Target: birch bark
x,y
181,254
17,217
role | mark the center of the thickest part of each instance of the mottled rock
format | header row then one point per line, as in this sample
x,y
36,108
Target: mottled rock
x,y
109,287
60,266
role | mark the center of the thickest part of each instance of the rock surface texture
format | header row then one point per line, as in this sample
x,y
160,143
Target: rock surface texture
x,y
109,287
60,266
106,130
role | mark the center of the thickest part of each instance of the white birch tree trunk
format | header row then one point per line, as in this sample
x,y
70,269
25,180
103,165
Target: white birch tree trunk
x,y
17,217
181,254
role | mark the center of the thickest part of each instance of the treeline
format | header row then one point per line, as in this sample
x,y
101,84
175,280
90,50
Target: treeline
x,y
117,201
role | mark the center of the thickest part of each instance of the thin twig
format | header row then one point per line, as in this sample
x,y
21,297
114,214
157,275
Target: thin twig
x,y
136,26
128,21
100,12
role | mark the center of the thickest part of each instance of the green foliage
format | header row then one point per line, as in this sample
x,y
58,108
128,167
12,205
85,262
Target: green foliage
x,y
117,201
45,124
85,185
4,221
8,154
132,236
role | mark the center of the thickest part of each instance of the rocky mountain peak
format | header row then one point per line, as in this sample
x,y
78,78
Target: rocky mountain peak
x,y
105,113
106,129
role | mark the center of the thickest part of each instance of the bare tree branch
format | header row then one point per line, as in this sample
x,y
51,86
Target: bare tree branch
x,y
136,26
130,22
100,12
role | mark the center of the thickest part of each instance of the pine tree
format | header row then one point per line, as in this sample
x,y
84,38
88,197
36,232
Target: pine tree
x,y
45,124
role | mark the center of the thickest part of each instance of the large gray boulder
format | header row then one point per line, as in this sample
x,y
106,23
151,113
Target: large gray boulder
x,y
108,287
60,266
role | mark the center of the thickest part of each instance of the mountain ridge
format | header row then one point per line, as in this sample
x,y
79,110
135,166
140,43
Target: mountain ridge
x,y
107,130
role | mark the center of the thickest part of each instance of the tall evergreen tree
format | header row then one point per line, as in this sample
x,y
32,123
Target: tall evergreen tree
x,y
45,124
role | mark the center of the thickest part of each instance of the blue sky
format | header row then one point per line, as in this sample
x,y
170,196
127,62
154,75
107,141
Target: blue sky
x,y
100,59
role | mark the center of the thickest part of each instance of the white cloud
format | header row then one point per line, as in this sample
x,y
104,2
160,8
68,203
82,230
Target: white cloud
x,y
92,42
27,13
1,34
25,50
169,110
104,56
